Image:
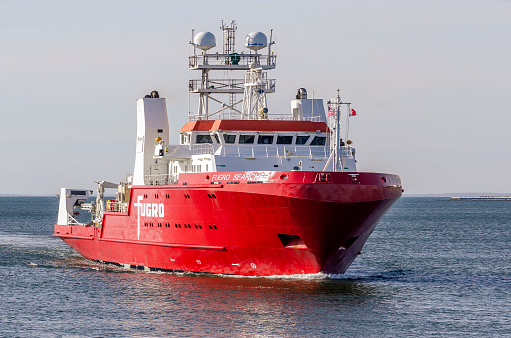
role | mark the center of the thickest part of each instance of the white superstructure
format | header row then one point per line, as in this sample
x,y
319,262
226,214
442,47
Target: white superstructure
x,y
228,134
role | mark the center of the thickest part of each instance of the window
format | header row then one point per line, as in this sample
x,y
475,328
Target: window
x,y
284,139
229,138
318,141
265,139
216,138
203,139
160,130
302,139
245,139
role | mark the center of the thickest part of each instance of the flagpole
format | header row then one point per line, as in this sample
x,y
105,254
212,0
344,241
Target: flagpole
x,y
348,121
338,158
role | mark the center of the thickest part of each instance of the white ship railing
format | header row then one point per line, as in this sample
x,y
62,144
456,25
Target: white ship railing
x,y
288,117
272,151
202,149
348,151
231,60
268,151
162,179
226,115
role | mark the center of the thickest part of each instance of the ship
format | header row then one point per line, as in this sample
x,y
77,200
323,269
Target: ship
x,y
246,191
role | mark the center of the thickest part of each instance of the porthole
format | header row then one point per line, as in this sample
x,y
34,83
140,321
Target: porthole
x,y
214,226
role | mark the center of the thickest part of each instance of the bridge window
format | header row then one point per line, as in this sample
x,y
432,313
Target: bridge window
x,y
247,139
318,141
203,139
229,138
265,139
284,139
302,139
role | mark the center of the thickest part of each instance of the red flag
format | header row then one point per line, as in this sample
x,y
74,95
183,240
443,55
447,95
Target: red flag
x,y
353,112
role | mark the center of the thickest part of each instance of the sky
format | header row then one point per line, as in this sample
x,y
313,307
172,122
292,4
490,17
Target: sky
x,y
430,81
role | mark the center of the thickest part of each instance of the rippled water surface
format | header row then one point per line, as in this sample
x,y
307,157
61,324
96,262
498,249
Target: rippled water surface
x,y
433,267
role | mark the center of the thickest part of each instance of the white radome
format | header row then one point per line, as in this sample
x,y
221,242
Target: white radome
x,y
204,40
256,41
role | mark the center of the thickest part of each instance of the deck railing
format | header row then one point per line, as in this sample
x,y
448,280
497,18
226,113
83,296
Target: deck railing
x,y
163,179
241,60
267,151
226,114
273,151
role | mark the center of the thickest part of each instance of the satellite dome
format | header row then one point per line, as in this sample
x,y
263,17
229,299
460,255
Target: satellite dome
x,y
204,40
255,41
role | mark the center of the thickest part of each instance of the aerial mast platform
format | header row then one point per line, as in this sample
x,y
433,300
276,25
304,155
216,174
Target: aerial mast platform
x,y
254,86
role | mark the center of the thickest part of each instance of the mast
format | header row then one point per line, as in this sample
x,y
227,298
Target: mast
x,y
336,148
254,87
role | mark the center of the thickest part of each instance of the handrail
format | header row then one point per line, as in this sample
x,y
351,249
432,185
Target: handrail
x,y
192,116
201,149
266,151
161,179
219,59
273,151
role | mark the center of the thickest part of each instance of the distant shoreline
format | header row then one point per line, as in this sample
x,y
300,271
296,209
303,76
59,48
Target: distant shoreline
x,y
463,195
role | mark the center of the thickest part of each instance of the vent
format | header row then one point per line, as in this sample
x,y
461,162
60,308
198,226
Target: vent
x,y
292,241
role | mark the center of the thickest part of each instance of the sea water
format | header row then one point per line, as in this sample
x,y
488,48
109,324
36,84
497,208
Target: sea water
x,y
433,267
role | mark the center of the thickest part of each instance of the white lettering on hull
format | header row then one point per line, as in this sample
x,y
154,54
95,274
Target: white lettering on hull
x,y
242,177
148,210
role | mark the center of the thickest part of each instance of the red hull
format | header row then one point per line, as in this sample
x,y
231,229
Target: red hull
x,y
257,223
